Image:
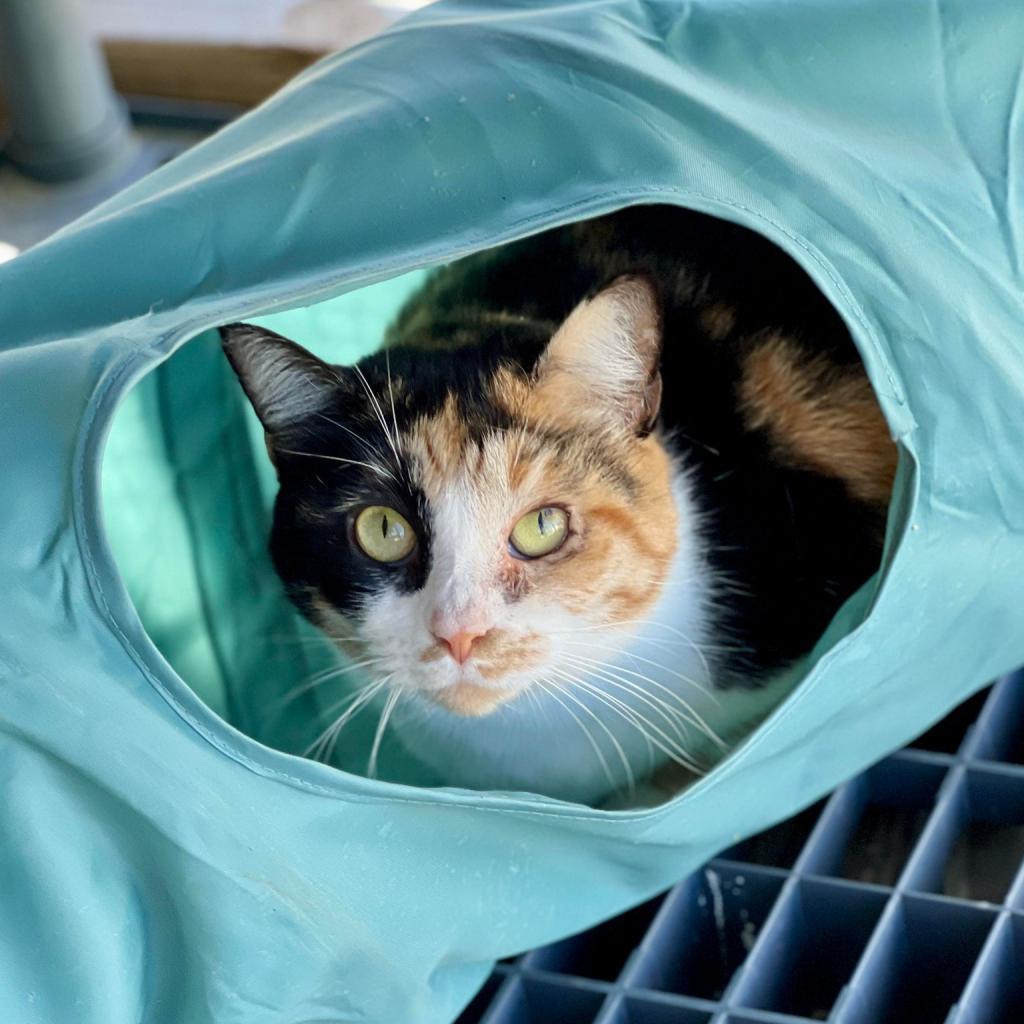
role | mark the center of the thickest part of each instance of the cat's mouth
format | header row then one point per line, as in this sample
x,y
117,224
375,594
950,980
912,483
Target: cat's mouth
x,y
501,667
470,700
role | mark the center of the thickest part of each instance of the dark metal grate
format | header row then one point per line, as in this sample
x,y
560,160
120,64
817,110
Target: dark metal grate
x,y
898,899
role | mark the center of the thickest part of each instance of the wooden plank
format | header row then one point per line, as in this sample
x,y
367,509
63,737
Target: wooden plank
x,y
239,75
215,73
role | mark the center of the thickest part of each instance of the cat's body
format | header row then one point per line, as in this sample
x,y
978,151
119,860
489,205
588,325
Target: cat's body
x,y
701,433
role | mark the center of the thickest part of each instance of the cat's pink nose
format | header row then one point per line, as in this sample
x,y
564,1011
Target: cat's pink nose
x,y
460,644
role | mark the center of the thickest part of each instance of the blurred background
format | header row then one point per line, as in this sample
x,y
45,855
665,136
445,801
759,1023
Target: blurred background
x,y
96,93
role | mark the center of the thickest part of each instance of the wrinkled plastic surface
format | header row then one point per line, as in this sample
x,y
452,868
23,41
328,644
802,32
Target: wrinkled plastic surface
x,y
157,864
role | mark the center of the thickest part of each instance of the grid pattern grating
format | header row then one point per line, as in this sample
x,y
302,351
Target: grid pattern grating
x,y
899,898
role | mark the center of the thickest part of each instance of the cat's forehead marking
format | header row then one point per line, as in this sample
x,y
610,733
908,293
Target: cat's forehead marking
x,y
479,484
456,469
520,462
555,426
437,443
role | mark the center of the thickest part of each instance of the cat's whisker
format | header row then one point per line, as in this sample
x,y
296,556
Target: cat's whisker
x,y
593,742
700,444
698,649
640,723
381,470
596,626
378,736
686,710
537,704
701,652
363,442
379,411
320,637
530,697
646,727
309,641
736,589
575,680
322,747
675,718
649,730
391,393
616,745
335,672
627,766
378,687
684,637
315,749
703,689
667,645
327,673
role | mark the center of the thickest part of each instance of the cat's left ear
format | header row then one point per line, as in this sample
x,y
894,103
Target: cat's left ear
x,y
285,383
605,358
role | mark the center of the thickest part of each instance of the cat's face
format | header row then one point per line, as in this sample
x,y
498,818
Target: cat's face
x,y
464,518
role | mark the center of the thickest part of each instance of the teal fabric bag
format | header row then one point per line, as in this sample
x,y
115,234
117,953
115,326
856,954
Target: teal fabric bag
x,y
157,862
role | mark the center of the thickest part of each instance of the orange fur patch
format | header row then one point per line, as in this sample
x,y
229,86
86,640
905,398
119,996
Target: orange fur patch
x,y
438,445
433,653
626,523
819,416
626,541
718,320
496,653
509,389
469,700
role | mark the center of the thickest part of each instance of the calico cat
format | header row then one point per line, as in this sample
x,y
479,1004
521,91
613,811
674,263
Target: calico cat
x,y
590,505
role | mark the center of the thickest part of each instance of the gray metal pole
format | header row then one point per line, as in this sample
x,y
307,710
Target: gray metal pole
x,y
66,120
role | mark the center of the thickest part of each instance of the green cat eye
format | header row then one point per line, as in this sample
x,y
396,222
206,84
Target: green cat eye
x,y
540,532
384,534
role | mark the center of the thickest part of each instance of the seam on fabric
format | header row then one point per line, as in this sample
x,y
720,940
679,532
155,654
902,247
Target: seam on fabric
x,y
437,254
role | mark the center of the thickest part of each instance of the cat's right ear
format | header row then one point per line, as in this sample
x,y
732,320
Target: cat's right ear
x,y
604,360
285,383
